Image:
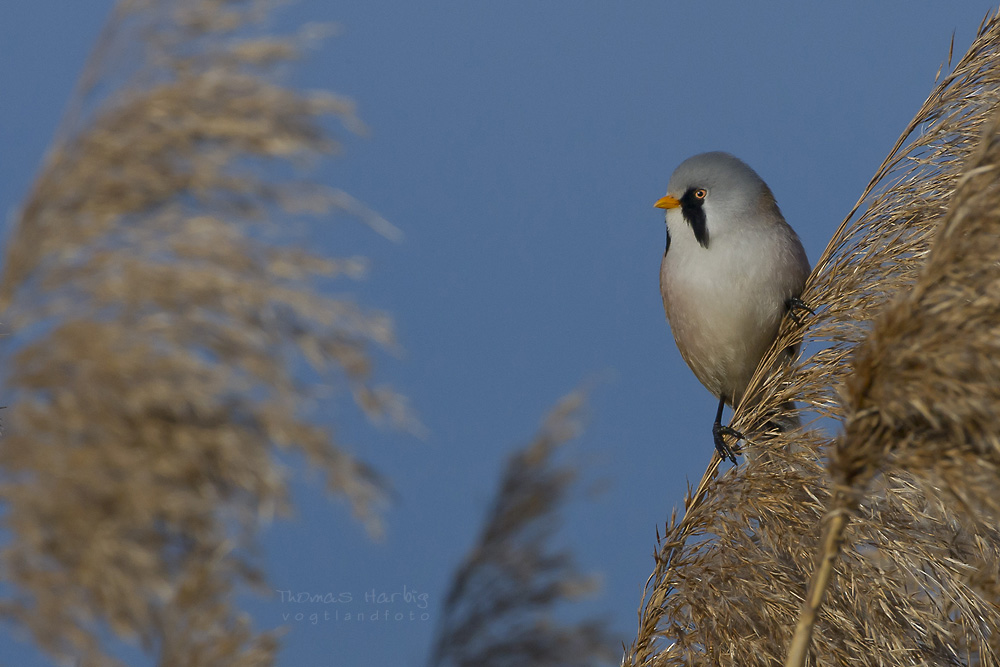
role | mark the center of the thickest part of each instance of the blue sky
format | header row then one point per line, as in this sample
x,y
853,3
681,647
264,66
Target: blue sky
x,y
520,147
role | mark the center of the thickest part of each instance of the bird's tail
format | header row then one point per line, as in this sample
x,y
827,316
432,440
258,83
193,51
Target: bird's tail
x,y
782,419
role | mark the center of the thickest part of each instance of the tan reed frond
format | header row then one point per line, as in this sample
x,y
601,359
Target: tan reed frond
x,y
500,604
172,340
730,576
923,397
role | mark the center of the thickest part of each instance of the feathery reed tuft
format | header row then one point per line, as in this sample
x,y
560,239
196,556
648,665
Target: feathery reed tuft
x,y
498,610
170,343
900,351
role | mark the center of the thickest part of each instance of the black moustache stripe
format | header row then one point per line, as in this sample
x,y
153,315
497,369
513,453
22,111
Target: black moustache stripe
x,y
694,213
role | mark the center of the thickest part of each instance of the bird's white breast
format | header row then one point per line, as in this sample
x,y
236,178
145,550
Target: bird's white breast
x,y
725,302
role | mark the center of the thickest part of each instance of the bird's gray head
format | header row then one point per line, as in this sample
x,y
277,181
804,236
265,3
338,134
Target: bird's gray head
x,y
715,192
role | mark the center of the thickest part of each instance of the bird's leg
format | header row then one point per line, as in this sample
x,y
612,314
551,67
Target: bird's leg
x,y
795,305
719,431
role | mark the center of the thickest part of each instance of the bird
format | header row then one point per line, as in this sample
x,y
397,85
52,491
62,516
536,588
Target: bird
x,y
732,268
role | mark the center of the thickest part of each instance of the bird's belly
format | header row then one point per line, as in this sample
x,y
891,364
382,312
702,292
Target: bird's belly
x,y
723,324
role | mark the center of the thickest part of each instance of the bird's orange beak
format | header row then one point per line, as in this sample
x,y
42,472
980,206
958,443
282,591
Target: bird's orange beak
x,y
667,202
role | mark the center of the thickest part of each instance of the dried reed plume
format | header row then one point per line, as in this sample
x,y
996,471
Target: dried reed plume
x,y
167,345
903,353
498,611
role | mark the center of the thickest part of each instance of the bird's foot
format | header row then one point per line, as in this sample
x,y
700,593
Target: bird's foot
x,y
796,306
719,433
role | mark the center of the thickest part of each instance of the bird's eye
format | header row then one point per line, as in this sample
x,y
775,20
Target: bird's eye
x,y
700,193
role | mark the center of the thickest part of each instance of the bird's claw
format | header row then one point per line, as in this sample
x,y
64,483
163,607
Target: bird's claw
x,y
796,305
725,451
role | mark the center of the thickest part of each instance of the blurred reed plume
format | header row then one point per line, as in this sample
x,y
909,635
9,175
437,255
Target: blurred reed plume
x,y
903,354
499,610
171,342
